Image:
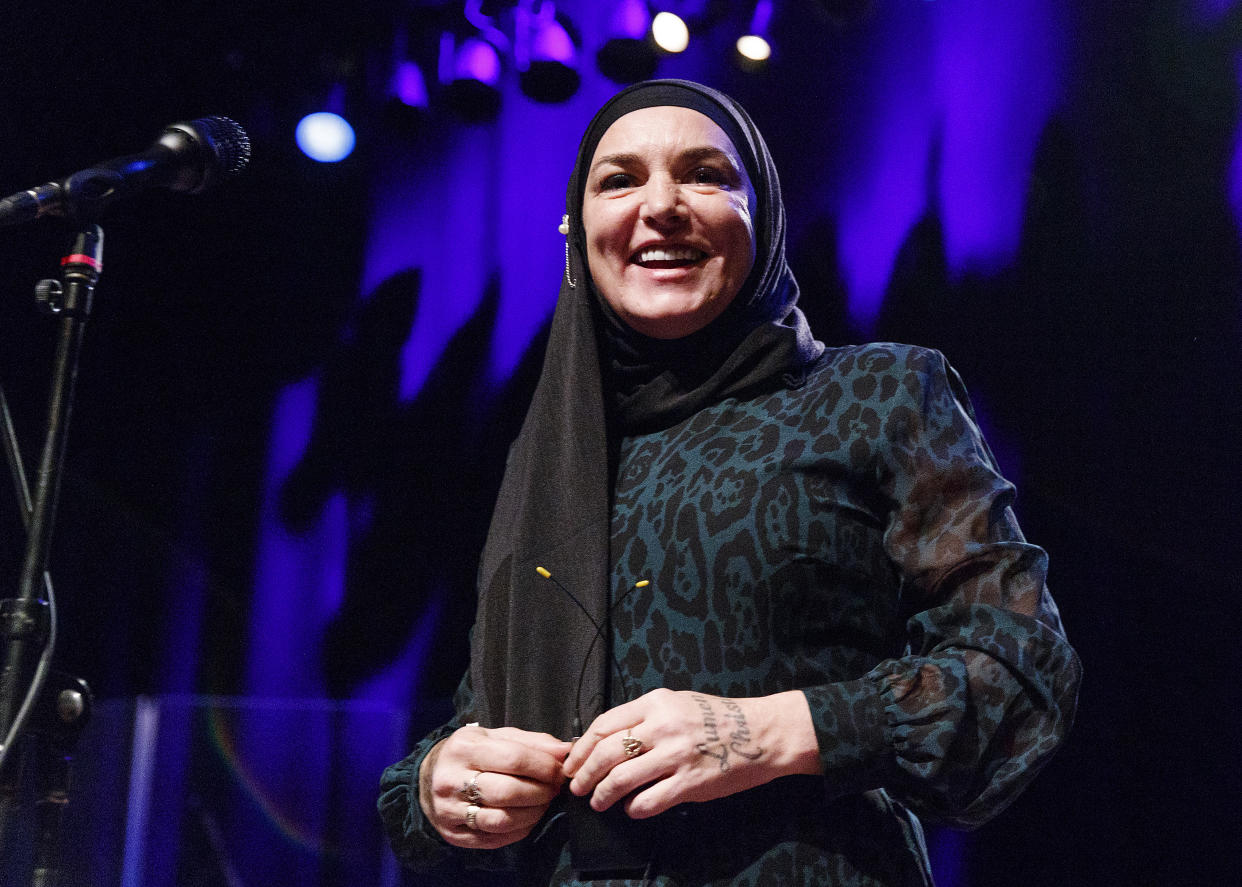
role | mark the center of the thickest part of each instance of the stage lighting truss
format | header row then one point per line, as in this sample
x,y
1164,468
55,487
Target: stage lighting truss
x,y
480,42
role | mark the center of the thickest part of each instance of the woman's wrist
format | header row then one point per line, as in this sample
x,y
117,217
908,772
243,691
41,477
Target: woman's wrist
x,y
788,734
425,769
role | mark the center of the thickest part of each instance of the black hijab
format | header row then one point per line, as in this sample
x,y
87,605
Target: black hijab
x,y
539,651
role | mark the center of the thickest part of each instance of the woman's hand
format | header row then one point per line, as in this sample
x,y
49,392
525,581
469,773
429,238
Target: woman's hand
x,y
669,747
484,788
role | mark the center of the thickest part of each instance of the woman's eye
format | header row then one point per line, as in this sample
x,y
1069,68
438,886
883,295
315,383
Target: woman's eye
x,y
707,175
615,181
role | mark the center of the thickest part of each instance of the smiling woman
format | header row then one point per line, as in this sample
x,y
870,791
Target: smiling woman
x,y
749,606
667,215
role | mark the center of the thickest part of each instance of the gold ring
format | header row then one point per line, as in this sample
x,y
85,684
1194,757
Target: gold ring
x,y
472,815
633,747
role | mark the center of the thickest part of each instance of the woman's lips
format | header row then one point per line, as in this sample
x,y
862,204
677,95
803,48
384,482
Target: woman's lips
x,y
658,257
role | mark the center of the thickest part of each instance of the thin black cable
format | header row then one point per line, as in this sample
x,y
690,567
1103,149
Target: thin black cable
x,y
599,633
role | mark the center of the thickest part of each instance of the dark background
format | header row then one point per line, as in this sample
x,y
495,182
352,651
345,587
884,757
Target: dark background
x,y
1104,352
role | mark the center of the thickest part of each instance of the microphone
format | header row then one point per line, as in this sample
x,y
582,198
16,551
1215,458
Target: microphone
x,y
187,157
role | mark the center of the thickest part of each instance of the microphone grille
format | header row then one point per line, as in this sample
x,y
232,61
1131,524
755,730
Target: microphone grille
x,y
228,140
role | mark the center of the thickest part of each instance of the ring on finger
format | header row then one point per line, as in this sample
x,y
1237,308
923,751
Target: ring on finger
x,y
469,791
472,816
633,746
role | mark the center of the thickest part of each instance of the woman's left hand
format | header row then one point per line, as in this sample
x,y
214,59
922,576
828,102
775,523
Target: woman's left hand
x,y
668,747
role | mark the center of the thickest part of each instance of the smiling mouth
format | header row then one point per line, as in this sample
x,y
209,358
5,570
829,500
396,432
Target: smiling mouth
x,y
668,257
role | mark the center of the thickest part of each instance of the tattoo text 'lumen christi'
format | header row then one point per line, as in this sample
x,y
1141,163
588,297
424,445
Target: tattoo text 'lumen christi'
x,y
739,741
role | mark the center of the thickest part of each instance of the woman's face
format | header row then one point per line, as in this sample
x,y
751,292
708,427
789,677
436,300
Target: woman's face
x,y
667,214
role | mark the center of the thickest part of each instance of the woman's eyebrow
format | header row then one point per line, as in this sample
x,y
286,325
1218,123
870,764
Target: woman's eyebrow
x,y
690,155
621,159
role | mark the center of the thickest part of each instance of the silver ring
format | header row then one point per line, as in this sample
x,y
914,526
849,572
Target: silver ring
x,y
633,747
472,815
469,790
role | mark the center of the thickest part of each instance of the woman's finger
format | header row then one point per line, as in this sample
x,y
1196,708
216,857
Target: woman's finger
x,y
609,723
499,821
515,753
487,829
609,754
490,789
628,776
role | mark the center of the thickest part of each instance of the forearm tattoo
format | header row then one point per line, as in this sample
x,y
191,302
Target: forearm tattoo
x,y
737,741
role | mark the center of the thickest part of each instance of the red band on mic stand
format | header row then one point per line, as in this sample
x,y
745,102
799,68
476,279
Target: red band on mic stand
x,y
80,259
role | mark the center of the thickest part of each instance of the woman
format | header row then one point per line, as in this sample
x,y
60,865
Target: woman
x,y
779,584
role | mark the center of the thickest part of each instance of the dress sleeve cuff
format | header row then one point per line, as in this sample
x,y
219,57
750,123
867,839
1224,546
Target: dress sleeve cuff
x,y
854,748
412,836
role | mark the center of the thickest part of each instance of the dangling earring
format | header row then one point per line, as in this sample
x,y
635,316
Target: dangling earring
x,y
564,229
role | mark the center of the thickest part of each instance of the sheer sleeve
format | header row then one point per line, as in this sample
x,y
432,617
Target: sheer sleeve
x,y
959,725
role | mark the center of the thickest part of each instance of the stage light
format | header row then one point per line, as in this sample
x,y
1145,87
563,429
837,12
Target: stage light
x,y
545,52
628,55
470,73
325,137
408,85
670,32
753,48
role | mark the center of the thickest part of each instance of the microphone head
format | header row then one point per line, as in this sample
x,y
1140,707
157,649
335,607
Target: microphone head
x,y
216,148
227,140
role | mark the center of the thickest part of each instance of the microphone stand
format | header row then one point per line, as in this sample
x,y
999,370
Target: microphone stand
x,y
56,710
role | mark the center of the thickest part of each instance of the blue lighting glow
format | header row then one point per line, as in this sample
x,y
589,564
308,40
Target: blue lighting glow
x,y
552,43
477,60
409,86
631,19
325,137
1213,10
954,100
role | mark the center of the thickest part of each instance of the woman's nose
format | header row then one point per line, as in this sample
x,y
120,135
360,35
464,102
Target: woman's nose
x,y
662,202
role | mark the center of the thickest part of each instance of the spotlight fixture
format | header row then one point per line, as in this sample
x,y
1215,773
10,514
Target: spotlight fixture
x,y
405,106
669,32
326,135
628,55
470,74
408,85
545,52
753,48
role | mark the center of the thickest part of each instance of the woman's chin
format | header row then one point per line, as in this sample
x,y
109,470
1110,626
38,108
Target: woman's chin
x,y
673,321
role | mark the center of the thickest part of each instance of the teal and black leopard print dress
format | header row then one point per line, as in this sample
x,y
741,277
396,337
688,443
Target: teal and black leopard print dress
x,y
829,521
853,538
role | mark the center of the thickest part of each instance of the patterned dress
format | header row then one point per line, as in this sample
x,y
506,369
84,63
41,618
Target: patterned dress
x,y
852,538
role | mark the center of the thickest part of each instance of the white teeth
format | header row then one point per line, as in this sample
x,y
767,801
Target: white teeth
x,y
669,254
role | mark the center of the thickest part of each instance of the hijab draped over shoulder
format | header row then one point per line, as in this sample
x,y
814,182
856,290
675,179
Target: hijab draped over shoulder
x,y
539,650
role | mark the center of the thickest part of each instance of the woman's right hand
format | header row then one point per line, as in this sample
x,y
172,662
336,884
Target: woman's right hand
x,y
512,774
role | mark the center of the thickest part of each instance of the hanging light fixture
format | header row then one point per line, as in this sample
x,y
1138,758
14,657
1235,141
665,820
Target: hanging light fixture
x,y
754,48
628,55
325,135
470,65
470,75
545,52
669,32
